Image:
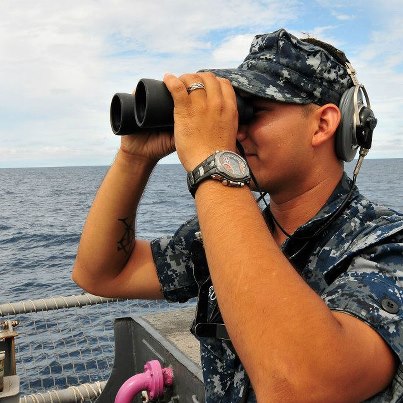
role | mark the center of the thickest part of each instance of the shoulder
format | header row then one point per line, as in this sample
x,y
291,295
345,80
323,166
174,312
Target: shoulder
x,y
364,229
364,224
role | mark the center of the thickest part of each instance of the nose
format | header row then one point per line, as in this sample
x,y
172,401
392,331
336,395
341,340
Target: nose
x,y
242,133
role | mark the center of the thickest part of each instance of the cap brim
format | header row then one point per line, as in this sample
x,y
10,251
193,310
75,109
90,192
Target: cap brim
x,y
261,85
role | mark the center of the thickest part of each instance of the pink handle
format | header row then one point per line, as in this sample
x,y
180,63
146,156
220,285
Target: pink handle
x,y
152,379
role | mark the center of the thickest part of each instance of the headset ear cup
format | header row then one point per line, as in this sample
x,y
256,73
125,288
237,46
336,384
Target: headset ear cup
x,y
346,142
364,132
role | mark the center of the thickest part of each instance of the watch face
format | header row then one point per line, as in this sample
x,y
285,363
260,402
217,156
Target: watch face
x,y
232,164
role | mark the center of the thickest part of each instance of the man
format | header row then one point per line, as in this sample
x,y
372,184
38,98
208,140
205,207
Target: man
x,y
310,291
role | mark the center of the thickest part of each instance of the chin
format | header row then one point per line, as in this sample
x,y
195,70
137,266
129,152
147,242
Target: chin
x,y
253,186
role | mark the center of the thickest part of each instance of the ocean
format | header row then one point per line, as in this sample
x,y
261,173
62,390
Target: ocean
x,y
43,210
42,214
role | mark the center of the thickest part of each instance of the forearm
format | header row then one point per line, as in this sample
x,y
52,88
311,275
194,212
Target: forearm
x,y
283,332
108,234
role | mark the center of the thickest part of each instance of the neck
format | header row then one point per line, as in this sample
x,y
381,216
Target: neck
x,y
292,212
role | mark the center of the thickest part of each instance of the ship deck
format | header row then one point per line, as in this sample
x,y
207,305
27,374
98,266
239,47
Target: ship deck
x,y
174,326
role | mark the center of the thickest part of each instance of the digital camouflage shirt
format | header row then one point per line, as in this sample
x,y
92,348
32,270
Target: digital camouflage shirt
x,y
355,265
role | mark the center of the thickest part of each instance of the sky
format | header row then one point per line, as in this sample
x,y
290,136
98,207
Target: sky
x,y
62,61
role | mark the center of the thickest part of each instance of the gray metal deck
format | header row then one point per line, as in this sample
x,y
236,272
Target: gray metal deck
x,y
174,326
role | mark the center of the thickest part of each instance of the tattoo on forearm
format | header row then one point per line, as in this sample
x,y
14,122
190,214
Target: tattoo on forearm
x,y
126,242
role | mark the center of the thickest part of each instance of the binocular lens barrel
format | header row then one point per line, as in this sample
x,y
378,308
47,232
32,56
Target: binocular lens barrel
x,y
122,116
152,108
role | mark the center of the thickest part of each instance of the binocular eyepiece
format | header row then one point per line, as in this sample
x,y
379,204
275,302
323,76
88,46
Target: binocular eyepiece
x,y
151,107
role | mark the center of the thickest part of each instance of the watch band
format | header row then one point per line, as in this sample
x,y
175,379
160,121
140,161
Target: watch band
x,y
200,173
209,169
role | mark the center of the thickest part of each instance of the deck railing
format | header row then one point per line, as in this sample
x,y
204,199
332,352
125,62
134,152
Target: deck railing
x,y
65,346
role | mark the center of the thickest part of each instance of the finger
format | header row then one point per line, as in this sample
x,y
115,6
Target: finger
x,y
221,94
177,89
227,90
220,91
213,88
195,87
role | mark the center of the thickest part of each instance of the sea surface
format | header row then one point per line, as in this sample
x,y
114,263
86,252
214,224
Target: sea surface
x,y
42,212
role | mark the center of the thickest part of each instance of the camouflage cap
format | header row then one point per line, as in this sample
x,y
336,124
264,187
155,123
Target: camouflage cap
x,y
283,68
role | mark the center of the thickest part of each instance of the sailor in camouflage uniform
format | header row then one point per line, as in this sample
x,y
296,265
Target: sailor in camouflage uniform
x,y
347,256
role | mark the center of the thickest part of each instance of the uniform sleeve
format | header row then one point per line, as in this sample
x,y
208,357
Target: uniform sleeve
x,y
372,290
173,259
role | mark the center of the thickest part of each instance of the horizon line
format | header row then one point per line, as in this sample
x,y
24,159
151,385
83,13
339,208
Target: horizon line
x,y
159,163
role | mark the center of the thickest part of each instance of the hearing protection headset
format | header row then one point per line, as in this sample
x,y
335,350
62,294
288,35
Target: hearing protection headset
x,y
357,122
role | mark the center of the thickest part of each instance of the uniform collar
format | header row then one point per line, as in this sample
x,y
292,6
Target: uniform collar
x,y
308,229
331,206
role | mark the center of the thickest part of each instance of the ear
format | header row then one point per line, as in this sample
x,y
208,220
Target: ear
x,y
327,119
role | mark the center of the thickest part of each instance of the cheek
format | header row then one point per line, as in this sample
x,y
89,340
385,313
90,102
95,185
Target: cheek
x,y
271,143
262,137
277,140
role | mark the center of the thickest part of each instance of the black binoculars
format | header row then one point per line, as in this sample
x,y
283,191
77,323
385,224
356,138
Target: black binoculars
x,y
151,107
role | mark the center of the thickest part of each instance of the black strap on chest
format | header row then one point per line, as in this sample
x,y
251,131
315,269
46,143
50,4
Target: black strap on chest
x,y
207,322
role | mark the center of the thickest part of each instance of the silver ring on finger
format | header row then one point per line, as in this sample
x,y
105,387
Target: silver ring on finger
x,y
195,86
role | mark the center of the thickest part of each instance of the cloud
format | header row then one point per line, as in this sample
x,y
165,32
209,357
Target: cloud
x,y
62,61
232,51
343,17
380,66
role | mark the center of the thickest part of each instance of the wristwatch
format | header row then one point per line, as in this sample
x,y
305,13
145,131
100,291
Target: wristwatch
x,y
225,166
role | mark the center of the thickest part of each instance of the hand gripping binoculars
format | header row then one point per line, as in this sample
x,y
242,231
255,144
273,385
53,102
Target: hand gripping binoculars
x,y
151,108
